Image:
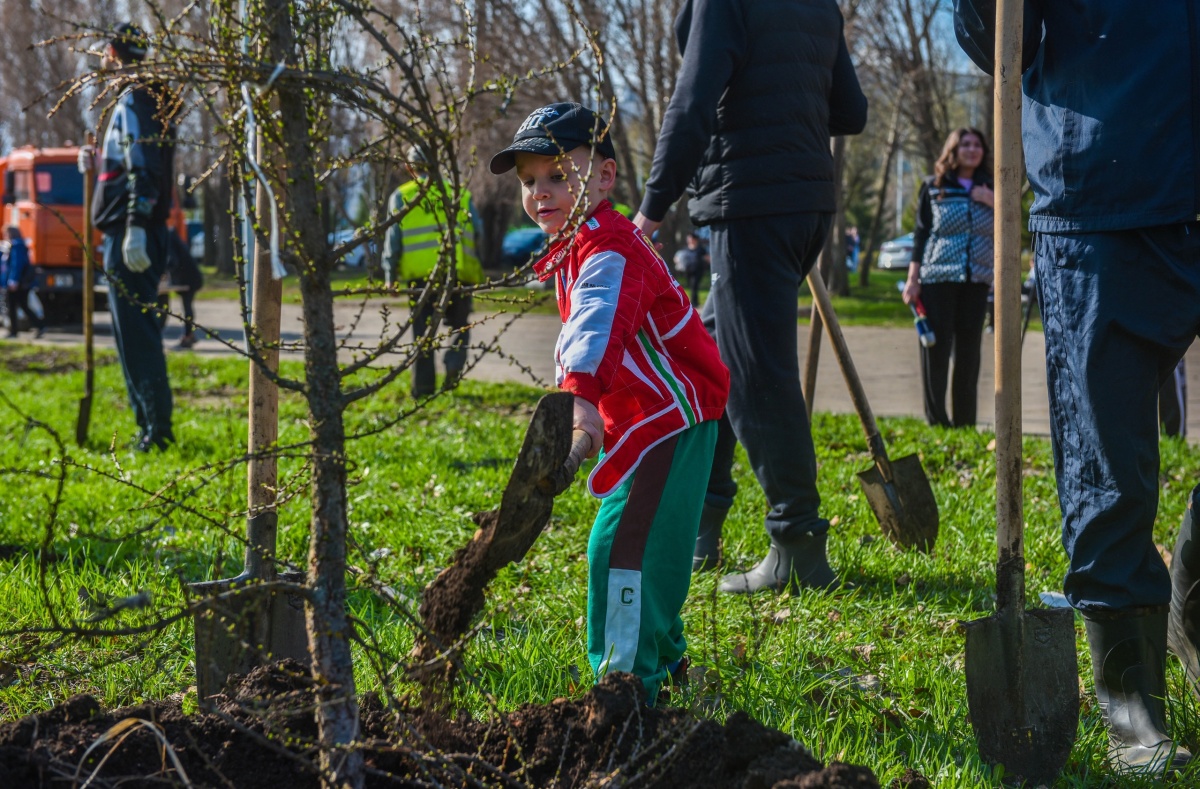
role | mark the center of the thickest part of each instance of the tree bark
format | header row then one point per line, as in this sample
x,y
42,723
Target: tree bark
x,y
328,624
873,240
833,266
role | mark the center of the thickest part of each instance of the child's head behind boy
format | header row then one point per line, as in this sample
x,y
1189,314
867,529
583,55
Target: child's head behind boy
x,y
561,151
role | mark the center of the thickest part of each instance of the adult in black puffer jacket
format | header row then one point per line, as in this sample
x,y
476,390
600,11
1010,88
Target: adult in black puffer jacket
x,y
764,83
951,272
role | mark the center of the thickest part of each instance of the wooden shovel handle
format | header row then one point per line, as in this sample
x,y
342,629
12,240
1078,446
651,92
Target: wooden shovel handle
x,y
581,445
1010,568
857,394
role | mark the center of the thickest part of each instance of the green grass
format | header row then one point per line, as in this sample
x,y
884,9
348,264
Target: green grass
x,y
871,674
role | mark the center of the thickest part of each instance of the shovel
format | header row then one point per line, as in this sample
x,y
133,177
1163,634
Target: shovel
x,y
247,622
89,261
550,456
811,359
1022,668
897,490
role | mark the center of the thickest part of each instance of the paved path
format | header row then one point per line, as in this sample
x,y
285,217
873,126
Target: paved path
x,y
886,358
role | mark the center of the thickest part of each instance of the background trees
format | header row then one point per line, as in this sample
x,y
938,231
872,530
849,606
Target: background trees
x,y
918,84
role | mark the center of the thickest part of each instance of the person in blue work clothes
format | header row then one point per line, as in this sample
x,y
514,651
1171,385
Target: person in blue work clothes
x,y
412,251
1111,132
761,88
18,281
133,198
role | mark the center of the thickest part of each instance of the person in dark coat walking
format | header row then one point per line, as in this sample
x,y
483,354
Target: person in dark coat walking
x,y
691,263
763,85
1112,149
18,282
133,199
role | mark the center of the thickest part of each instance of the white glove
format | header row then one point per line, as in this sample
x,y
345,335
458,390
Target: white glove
x,y
134,249
87,158
587,418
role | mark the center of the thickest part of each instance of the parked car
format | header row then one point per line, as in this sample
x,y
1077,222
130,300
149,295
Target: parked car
x,y
358,256
520,245
895,254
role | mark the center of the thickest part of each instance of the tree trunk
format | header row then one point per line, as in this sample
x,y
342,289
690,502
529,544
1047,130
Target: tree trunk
x,y
328,624
836,276
873,240
495,216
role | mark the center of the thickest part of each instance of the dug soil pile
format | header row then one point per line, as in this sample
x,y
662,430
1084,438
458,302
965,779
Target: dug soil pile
x,y
261,735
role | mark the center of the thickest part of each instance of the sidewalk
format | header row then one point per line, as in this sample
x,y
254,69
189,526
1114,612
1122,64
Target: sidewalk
x,y
886,358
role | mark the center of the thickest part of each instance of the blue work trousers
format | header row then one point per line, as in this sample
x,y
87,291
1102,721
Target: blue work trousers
x,y
1119,310
132,300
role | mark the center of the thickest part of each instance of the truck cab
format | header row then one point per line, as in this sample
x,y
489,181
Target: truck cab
x,y
41,192
43,196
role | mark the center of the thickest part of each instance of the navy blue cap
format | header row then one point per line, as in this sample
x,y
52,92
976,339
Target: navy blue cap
x,y
556,129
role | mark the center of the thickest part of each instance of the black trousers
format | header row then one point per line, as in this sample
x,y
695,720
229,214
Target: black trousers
x,y
20,298
454,323
692,280
757,267
955,311
188,297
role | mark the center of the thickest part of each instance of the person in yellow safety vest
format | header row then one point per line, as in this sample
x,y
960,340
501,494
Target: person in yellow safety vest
x,y
411,252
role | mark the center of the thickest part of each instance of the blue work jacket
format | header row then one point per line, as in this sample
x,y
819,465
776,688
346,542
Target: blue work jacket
x,y
1111,124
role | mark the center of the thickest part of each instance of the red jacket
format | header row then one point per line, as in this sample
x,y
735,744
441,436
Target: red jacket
x,y
631,343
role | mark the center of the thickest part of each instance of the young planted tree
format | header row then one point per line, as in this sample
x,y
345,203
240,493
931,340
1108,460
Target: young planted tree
x,y
304,73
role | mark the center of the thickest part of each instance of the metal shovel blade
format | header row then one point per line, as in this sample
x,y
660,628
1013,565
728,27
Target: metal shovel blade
x,y
249,627
526,504
1023,691
905,507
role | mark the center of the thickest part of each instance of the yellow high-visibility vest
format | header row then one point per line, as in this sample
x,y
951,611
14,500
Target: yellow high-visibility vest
x,y
421,233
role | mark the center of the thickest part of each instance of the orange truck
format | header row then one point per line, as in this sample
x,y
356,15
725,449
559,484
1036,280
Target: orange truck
x,y
41,192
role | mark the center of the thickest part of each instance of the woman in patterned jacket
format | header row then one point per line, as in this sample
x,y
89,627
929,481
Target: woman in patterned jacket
x,y
951,272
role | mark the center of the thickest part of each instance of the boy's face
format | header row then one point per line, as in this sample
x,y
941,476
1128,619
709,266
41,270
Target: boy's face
x,y
551,186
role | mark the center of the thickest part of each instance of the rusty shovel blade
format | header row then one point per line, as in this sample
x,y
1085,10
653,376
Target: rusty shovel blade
x,y
243,626
1023,691
905,507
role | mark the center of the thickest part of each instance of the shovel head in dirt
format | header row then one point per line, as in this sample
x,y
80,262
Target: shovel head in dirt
x,y
904,505
549,458
1023,691
244,625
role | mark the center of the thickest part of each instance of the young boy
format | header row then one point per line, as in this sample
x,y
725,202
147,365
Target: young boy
x,y
648,382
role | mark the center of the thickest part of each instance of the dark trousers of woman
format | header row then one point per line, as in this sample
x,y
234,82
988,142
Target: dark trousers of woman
x,y
20,298
955,311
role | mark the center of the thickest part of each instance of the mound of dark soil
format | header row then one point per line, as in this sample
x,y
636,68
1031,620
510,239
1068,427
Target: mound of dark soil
x,y
261,735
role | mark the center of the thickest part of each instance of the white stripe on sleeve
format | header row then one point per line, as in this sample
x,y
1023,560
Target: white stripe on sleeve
x,y
594,295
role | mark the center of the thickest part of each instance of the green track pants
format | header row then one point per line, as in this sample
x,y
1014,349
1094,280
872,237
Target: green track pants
x,y
640,559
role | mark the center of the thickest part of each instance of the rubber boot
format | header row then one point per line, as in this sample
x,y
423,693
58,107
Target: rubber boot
x,y
1183,629
792,565
1129,663
707,554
